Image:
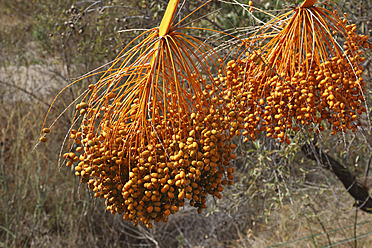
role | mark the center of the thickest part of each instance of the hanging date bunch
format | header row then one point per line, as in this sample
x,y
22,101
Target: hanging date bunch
x,y
153,131
301,70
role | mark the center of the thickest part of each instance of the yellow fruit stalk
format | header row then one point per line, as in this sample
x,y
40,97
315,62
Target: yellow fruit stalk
x,y
168,17
166,22
308,3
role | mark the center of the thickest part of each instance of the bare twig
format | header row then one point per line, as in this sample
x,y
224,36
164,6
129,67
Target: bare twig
x,y
25,91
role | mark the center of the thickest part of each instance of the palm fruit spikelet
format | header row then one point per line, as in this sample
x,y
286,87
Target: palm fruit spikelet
x,y
300,70
153,132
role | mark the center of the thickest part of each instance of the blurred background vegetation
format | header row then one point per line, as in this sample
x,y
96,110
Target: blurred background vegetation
x,y
279,199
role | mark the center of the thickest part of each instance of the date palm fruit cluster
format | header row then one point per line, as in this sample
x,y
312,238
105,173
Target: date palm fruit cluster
x,y
148,176
153,132
301,70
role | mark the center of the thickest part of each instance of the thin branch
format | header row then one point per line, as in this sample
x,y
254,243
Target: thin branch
x,y
25,91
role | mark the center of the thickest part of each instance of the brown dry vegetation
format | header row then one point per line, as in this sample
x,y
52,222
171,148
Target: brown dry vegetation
x,y
279,199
